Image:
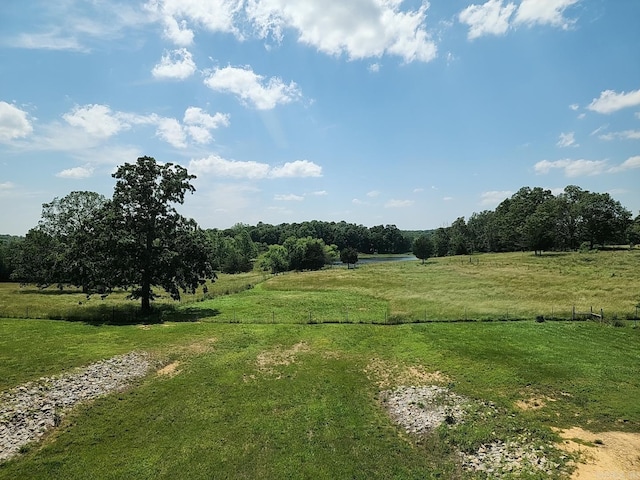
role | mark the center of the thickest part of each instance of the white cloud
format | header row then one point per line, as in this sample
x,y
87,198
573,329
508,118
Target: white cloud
x,y
494,197
357,201
170,130
489,18
180,16
373,193
288,198
14,122
220,167
572,168
544,12
610,101
320,193
418,190
76,173
629,164
96,120
374,67
176,64
100,122
253,88
567,140
298,168
359,29
6,186
199,123
447,199
624,135
574,107
393,203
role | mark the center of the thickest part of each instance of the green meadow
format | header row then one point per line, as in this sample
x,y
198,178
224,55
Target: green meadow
x,y
281,377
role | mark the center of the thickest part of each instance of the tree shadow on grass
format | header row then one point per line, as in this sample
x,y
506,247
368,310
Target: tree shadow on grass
x,y
132,314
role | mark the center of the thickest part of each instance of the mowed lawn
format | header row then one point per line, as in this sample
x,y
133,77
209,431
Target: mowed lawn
x,y
302,400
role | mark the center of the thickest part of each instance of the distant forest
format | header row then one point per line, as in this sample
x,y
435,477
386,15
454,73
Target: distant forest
x,y
532,219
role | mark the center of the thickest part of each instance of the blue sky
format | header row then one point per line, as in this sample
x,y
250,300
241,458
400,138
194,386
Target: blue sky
x,y
370,111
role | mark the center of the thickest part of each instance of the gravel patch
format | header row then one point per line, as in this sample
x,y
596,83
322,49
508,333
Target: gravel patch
x,y
422,409
28,411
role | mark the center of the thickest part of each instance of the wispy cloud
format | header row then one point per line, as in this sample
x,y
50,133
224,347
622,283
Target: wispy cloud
x,y
567,140
394,203
494,197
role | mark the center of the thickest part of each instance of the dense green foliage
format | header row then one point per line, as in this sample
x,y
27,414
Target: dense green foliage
x,y
422,247
136,240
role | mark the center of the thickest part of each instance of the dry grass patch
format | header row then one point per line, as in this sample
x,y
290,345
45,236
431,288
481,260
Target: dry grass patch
x,y
279,357
388,375
604,454
170,369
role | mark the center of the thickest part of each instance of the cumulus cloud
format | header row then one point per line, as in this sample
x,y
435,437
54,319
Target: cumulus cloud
x,y
572,168
14,123
76,173
218,166
251,88
494,197
288,198
298,168
101,122
610,101
199,123
393,203
567,140
96,120
491,18
177,64
359,29
544,12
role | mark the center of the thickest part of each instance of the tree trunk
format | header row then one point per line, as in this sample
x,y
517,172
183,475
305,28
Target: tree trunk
x,y
146,295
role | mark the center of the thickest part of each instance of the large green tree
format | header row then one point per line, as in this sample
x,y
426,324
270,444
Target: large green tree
x,y
150,242
349,255
423,247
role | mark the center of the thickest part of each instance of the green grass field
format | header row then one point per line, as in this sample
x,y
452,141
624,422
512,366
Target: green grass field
x,y
225,415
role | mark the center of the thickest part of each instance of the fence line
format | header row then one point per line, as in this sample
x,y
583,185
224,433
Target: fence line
x,y
131,315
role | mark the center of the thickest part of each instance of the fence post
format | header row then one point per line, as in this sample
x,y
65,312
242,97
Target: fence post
x,y
573,313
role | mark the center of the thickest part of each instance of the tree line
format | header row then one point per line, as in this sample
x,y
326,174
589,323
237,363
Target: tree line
x,y
137,240
536,220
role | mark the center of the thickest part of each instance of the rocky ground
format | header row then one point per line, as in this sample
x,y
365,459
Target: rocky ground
x,y
29,410
421,409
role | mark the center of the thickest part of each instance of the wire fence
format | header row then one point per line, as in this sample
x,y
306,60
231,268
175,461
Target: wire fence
x,y
130,314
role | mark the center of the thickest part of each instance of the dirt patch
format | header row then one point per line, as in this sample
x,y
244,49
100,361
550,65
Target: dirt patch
x,y
534,403
171,369
278,357
388,375
604,455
